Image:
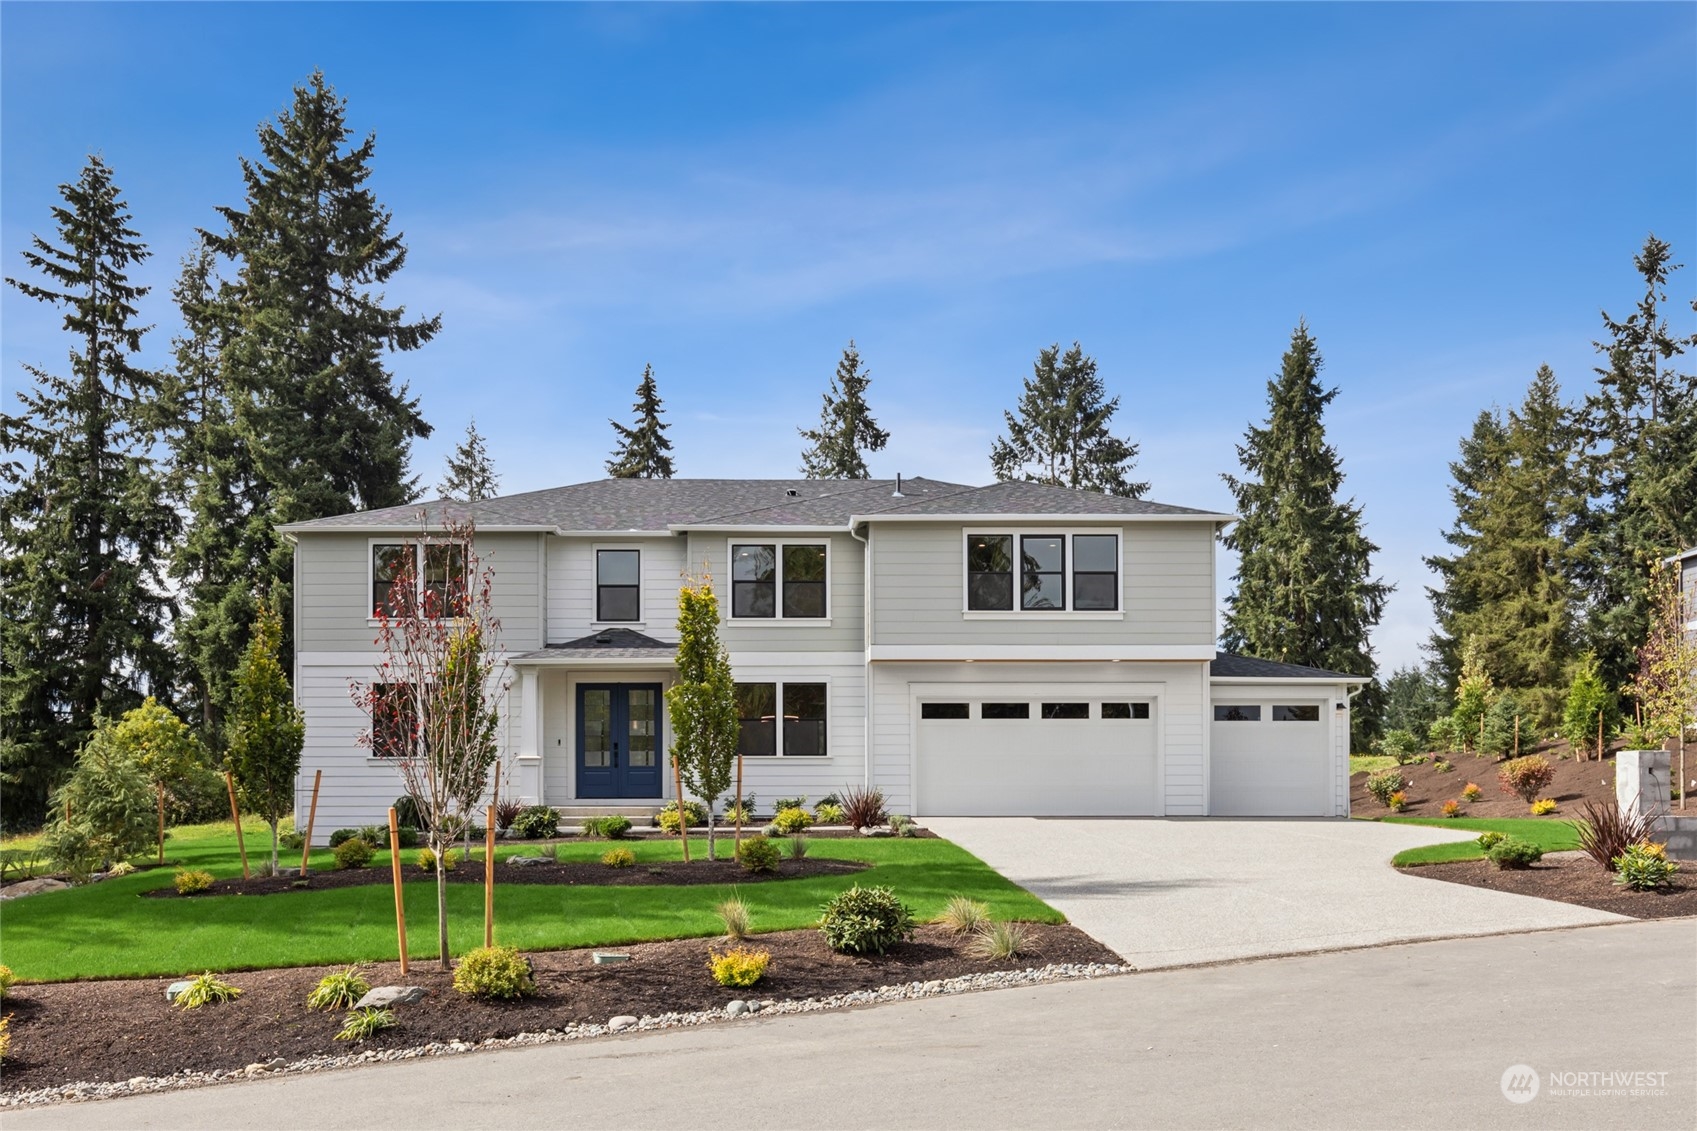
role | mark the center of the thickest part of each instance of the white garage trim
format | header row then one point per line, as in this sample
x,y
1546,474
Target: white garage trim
x,y
1250,770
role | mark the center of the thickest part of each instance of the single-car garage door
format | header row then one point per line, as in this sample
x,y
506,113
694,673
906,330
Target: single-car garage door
x,y
1051,756
1270,758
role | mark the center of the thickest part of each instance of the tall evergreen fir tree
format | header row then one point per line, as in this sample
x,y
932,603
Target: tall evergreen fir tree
x,y
846,428
1305,587
471,473
643,447
212,484
83,524
1641,430
326,426
1061,436
1519,503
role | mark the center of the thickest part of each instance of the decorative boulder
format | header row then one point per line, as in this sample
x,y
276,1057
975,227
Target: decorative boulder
x,y
382,996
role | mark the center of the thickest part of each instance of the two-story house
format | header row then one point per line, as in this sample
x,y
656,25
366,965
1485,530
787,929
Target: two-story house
x,y
1005,650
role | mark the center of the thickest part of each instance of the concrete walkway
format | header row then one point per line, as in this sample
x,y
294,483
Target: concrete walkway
x,y
1179,892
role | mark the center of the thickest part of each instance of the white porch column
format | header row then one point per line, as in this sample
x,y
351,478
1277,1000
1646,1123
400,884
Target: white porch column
x,y
529,761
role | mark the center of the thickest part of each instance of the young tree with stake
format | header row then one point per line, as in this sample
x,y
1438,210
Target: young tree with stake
x,y
265,729
702,703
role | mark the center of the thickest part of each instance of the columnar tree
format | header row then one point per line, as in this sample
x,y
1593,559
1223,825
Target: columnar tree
x,y
1519,502
84,529
1591,713
325,425
265,730
846,428
471,473
434,697
1305,590
643,451
168,752
1060,435
702,703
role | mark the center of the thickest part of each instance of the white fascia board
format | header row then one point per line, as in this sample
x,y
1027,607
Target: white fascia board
x,y
990,653
1344,679
1002,519
411,528
606,535
743,528
597,662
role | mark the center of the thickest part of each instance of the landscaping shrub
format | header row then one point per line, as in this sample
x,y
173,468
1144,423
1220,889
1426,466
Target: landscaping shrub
x,y
1526,777
695,815
206,989
367,1022
1489,840
1443,737
1401,745
426,860
494,972
783,803
377,836
187,882
354,853
121,868
1443,767
7,981
293,842
792,819
757,853
1514,854
342,836
408,811
1383,784
104,811
506,812
5,1037
1497,737
405,835
1543,807
1452,808
1606,832
742,811
608,828
828,813
1645,867
1398,801
963,916
1000,940
734,914
798,847
863,808
865,921
903,826
536,822
739,967
339,990
618,858
1471,791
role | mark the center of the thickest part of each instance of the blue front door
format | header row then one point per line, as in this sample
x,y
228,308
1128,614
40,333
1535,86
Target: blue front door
x,y
618,740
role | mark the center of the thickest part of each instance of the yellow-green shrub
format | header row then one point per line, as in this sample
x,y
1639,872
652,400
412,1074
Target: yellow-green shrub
x,y
188,882
618,858
496,972
427,860
792,820
1543,806
739,966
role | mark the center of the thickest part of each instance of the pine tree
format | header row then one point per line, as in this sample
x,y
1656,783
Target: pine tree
x,y
471,473
846,427
642,449
1305,591
1641,428
326,427
1519,501
1061,436
83,526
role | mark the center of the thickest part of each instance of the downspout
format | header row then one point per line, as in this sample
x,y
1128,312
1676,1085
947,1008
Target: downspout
x,y
866,650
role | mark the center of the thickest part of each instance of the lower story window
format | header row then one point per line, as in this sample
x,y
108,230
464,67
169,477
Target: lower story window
x,y
394,720
801,707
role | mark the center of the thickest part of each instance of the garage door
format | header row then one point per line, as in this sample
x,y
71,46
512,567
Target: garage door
x,y
1043,757
1270,759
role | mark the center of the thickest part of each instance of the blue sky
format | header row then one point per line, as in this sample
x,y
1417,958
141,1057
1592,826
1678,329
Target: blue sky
x,y
1447,193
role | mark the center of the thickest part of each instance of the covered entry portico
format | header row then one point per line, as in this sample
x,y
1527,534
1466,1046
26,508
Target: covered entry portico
x,y
593,724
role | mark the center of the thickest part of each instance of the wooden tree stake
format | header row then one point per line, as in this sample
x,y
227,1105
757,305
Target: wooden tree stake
x,y
236,816
1599,734
736,838
683,814
161,824
1517,736
395,868
489,879
311,816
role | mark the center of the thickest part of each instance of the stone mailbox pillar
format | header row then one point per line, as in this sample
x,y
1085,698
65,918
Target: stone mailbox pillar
x,y
1641,782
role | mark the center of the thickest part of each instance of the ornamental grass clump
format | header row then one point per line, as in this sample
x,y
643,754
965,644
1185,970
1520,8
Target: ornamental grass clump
x,y
206,989
368,1022
995,941
962,916
798,847
739,967
1606,831
498,972
341,990
736,917
865,921
863,808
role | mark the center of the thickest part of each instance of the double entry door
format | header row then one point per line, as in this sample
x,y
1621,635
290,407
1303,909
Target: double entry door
x,y
618,740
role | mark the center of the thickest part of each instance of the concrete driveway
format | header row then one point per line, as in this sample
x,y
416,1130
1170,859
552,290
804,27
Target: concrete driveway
x,y
1179,892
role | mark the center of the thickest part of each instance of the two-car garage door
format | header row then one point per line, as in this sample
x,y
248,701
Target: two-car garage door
x,y
1270,757
1055,755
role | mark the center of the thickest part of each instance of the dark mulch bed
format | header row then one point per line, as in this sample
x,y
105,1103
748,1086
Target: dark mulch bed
x,y
1574,784
100,1031
1573,877
589,874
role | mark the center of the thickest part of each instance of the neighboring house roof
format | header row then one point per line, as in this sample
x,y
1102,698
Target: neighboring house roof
x,y
1684,555
1225,665
608,644
655,505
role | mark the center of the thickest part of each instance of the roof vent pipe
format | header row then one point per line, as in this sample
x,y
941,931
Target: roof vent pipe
x,y
791,492
897,494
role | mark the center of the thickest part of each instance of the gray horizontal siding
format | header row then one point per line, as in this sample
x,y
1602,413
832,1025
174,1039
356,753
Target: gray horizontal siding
x,y
845,633
571,585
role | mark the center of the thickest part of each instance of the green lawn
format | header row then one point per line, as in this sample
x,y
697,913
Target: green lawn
x,y
1548,834
1370,763
108,930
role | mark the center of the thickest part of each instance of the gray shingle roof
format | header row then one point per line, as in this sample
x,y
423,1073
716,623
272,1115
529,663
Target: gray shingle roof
x,y
1227,665
608,644
656,504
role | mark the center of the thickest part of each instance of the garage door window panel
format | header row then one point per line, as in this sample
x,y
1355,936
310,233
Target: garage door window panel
x,y
945,711
1125,710
1004,710
1297,713
1066,710
989,572
1043,572
1237,713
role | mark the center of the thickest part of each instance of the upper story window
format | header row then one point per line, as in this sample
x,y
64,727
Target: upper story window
x,y
436,569
618,585
779,581
1056,572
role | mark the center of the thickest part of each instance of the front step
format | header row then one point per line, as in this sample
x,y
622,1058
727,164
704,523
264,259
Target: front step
x,y
575,813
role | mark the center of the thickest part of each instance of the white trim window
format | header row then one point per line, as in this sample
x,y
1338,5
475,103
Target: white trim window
x,y
438,569
780,580
801,705
1053,571
618,585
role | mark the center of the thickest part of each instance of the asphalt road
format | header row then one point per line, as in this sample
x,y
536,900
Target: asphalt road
x,y
1417,1035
